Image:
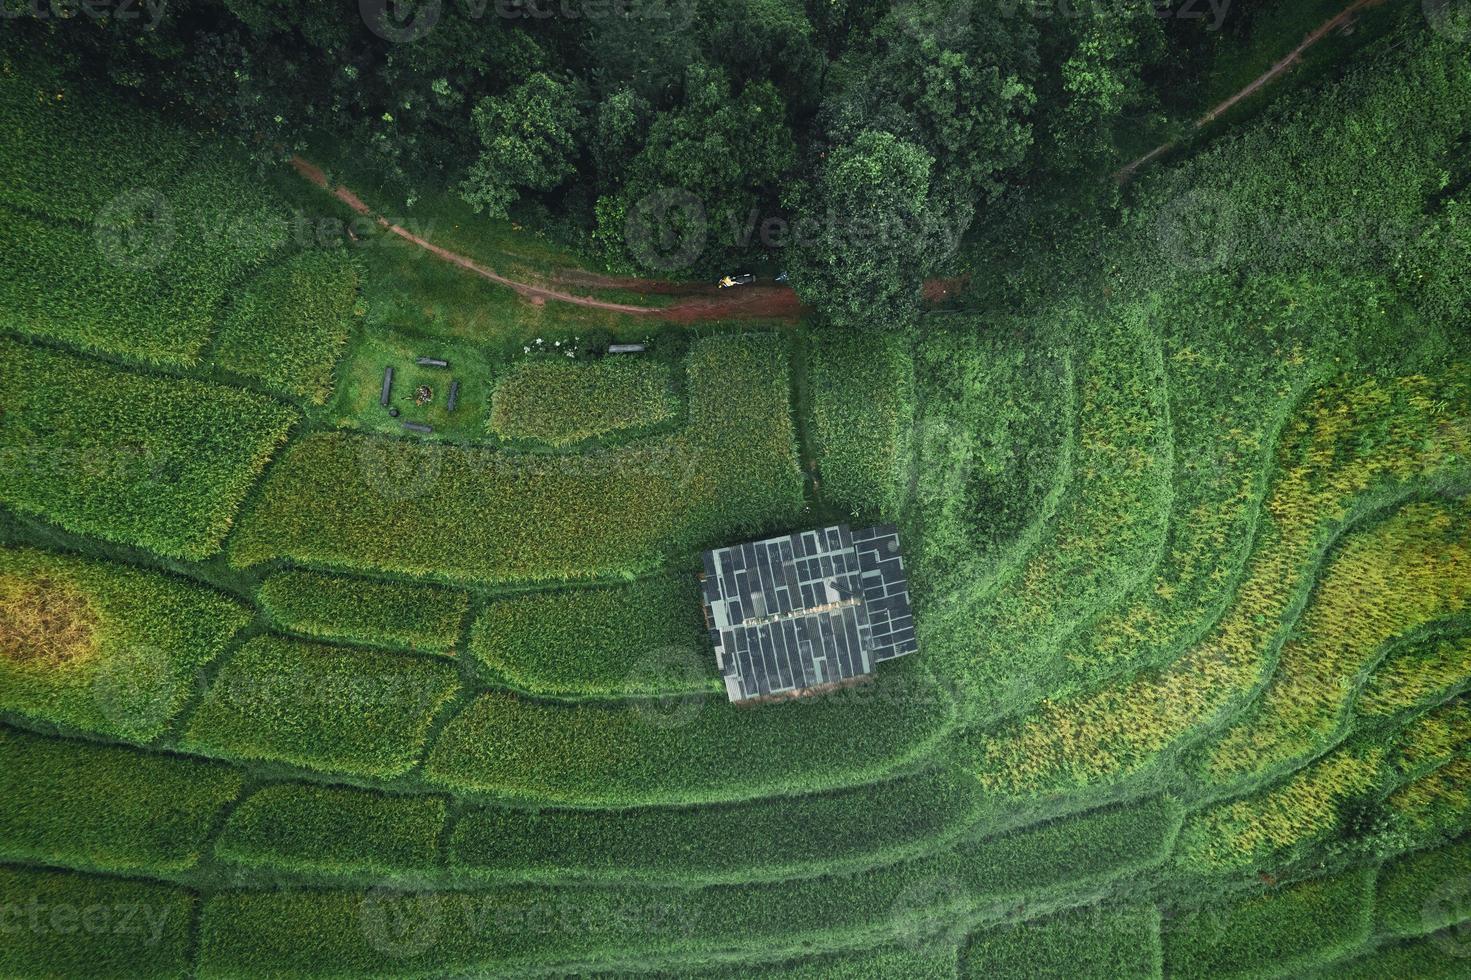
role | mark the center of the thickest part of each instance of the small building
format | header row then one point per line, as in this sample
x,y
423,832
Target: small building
x,y
807,612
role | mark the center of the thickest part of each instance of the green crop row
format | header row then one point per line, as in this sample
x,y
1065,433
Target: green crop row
x,y
688,749
927,961
1273,933
863,409
333,607
101,646
60,924
168,469
561,402
915,904
147,280
993,449
70,150
328,831
1436,957
288,327
1436,803
104,808
740,841
326,708
1356,444
644,638
1231,383
1414,674
1100,942
1412,569
1421,892
467,514
1105,535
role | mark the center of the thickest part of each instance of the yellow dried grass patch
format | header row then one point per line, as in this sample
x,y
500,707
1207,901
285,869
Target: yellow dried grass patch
x,y
45,622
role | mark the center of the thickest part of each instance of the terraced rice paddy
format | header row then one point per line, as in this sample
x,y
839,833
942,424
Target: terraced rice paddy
x,y
283,696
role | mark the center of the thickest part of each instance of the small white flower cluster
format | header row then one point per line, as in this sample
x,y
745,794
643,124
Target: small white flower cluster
x,y
540,347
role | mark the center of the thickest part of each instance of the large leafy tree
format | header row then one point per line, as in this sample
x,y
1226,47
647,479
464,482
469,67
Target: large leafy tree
x,y
724,150
864,230
529,139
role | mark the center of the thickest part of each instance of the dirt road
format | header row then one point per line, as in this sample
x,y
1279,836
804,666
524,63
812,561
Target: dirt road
x,y
1343,18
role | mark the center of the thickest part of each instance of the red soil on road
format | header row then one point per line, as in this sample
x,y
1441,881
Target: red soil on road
x,y
1342,19
700,303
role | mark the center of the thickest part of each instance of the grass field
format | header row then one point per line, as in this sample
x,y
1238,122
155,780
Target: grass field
x,y
287,690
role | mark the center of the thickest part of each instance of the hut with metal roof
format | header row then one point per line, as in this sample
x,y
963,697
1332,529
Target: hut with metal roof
x,y
807,612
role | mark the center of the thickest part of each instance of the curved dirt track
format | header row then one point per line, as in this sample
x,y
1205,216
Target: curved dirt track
x,y
1341,19
705,302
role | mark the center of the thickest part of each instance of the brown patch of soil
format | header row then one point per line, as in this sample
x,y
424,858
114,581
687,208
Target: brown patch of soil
x,y
45,622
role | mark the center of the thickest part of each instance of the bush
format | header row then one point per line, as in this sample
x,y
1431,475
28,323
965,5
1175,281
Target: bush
x,y
756,840
689,749
104,647
644,638
69,925
166,472
158,815
1099,942
863,409
332,607
326,708
288,327
474,515
564,402
1285,931
322,830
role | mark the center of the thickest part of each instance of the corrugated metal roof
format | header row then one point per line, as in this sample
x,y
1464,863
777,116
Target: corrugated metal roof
x,y
808,609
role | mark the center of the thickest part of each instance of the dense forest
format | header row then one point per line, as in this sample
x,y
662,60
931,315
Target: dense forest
x,y
853,143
